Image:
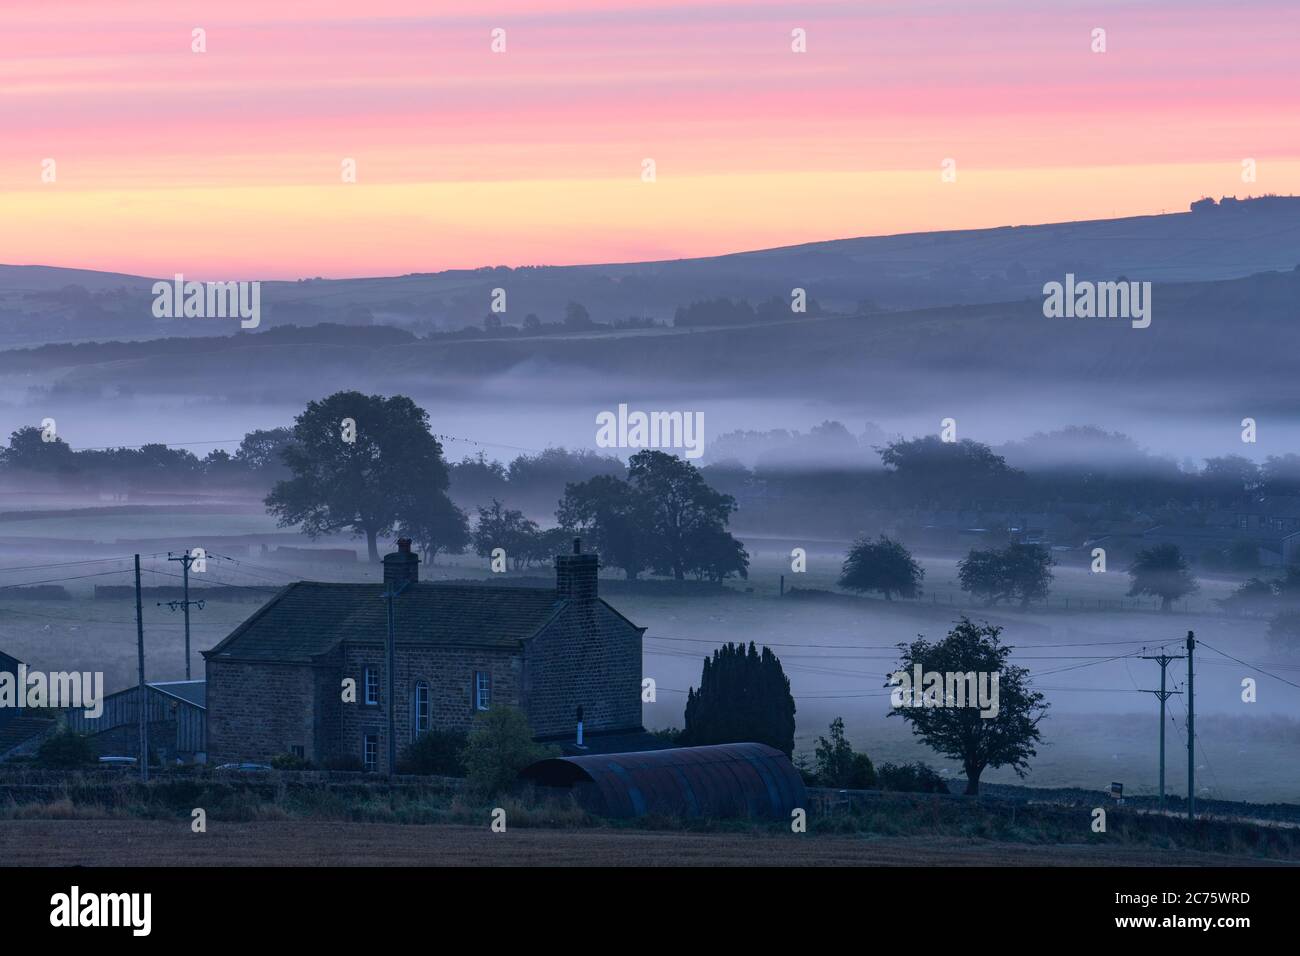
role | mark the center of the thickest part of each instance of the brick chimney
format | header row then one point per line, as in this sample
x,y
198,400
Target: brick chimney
x,y
575,574
402,566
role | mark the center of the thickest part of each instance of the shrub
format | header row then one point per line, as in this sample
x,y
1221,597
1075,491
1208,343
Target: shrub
x,y
290,762
863,774
64,749
837,764
500,745
910,778
439,752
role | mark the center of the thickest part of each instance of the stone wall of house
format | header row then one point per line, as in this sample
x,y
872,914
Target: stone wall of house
x,y
588,657
258,710
327,741
449,673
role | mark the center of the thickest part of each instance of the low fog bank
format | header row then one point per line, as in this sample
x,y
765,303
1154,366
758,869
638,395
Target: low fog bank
x,y
754,429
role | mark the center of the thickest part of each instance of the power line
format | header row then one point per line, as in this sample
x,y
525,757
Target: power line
x,y
149,444
78,577
1251,666
210,581
489,444
254,574
1061,670
890,647
892,657
67,564
260,567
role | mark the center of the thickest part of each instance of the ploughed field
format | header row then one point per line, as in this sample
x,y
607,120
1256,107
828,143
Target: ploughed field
x,y
170,843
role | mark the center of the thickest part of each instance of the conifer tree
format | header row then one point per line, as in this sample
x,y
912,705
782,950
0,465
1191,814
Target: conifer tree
x,y
744,696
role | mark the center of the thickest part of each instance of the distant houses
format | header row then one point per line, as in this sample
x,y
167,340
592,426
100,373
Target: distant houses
x,y
305,675
1271,524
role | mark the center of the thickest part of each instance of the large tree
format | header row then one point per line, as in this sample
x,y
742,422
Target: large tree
x,y
930,469
883,565
608,511
1281,474
743,696
367,484
1229,478
716,555
1019,571
678,505
29,451
434,524
507,529
262,451
1162,571
963,732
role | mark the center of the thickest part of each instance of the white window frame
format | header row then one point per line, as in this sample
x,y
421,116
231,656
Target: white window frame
x,y
482,690
371,698
421,722
367,740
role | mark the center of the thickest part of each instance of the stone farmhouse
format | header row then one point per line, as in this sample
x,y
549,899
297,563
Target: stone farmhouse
x,y
276,685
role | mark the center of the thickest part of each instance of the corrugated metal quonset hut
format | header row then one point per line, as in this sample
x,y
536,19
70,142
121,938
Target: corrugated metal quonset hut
x,y
723,780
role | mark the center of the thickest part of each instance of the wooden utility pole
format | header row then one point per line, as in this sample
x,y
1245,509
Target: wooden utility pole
x,y
1163,659
186,559
1191,731
143,692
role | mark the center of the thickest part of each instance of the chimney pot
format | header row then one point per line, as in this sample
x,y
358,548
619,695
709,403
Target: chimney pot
x,y
575,574
402,566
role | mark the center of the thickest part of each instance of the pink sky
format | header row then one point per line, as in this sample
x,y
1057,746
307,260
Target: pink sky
x,y
227,163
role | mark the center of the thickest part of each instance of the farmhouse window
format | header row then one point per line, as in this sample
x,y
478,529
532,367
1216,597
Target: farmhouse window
x,y
420,705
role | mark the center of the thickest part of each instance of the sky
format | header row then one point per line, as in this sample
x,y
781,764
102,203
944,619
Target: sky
x,y
230,163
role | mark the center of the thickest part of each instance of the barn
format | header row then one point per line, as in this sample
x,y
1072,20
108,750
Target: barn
x,y
177,718
723,780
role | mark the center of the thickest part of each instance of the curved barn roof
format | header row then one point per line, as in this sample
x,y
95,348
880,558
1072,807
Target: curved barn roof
x,y
723,780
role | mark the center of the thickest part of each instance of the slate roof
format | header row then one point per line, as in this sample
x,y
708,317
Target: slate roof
x,y
310,618
191,691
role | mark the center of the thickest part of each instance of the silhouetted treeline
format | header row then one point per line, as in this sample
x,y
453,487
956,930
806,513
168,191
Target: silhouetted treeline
x,y
827,480
830,481
38,454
